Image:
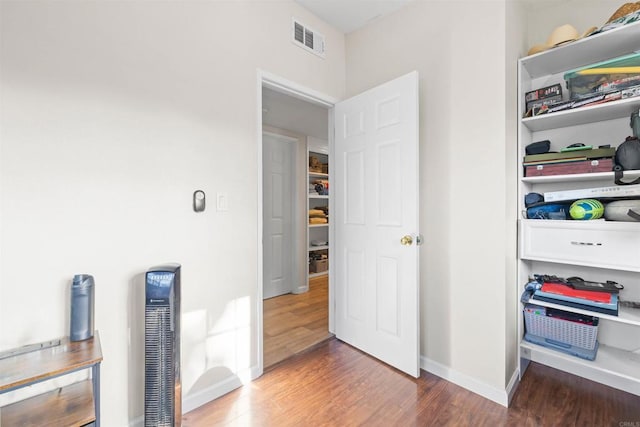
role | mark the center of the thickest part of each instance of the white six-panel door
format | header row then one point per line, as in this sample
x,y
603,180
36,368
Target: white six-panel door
x,y
376,199
278,221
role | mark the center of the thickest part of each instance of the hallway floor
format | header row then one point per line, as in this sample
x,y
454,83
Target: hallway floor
x,y
293,323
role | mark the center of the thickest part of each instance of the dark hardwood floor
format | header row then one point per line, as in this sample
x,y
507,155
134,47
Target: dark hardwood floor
x,y
334,384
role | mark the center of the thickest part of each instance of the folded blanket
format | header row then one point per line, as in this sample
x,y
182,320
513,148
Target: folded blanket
x,y
324,209
318,220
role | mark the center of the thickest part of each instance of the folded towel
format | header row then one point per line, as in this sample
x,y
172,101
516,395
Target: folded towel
x,y
318,220
324,209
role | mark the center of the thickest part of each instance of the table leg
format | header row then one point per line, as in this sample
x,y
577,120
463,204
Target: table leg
x,y
95,373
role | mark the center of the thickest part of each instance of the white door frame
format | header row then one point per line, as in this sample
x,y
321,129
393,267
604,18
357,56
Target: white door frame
x,y
287,87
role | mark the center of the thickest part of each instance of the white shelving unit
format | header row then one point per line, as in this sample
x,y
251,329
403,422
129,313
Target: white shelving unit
x,y
551,248
319,149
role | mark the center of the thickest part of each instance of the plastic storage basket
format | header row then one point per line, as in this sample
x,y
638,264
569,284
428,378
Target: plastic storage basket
x,y
606,76
563,331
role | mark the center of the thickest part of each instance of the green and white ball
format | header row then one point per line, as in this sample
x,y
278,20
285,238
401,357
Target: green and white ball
x,y
586,209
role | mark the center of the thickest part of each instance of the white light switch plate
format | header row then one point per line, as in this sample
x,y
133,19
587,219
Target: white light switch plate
x,y
222,203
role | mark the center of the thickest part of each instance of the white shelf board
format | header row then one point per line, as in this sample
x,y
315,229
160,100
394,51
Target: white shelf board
x,y
610,44
583,115
318,248
579,177
613,367
317,196
318,175
627,315
322,273
601,224
318,225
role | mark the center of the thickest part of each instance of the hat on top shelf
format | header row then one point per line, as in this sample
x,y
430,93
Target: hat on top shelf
x,y
559,36
628,13
624,10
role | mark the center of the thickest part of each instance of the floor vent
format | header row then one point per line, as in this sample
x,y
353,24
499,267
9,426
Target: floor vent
x,y
307,38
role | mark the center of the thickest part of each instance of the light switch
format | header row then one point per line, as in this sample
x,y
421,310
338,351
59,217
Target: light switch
x,y
222,203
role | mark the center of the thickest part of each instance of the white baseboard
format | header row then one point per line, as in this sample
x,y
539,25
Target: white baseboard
x,y
497,395
195,400
513,385
300,289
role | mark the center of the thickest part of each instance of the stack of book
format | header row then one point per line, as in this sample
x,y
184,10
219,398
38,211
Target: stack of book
x,y
542,98
569,162
590,296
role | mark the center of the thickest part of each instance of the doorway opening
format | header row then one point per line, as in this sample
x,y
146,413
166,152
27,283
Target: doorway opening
x,y
374,153
295,223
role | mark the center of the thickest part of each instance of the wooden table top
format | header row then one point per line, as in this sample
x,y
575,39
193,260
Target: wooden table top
x,y
39,365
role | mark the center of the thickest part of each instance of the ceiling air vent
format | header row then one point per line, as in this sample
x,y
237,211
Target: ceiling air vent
x,y
307,38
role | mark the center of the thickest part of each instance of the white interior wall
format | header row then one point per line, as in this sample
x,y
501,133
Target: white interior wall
x,y
113,113
466,255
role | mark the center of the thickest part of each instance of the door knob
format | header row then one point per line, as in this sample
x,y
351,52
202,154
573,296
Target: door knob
x,y
406,240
